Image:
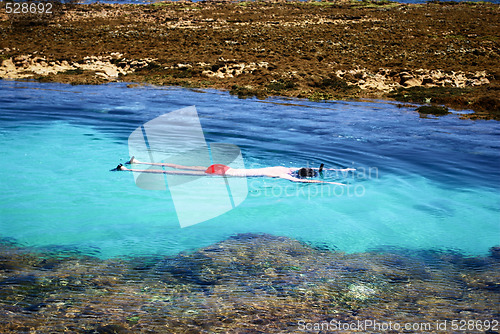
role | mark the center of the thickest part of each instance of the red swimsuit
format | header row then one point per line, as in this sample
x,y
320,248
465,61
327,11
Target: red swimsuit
x,y
217,169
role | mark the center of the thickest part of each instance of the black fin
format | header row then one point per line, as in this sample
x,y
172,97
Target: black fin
x,y
117,168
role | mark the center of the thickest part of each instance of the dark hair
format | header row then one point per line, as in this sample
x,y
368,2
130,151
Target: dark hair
x,y
306,172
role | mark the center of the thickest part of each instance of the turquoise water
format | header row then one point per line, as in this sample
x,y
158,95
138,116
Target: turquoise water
x,y
421,183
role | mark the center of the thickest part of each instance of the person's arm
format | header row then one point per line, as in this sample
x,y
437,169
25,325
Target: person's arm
x,y
133,160
295,179
320,169
337,169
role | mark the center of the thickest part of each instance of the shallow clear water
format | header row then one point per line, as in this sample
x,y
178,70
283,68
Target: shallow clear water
x,y
421,183
151,1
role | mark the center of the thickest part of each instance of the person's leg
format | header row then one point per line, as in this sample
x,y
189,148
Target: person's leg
x,y
120,167
133,160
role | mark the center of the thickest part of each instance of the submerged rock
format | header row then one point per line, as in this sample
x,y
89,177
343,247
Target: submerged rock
x,y
21,280
112,329
360,292
246,283
188,269
433,110
495,252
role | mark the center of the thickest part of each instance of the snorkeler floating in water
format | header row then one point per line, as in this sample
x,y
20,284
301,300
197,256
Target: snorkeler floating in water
x,y
291,174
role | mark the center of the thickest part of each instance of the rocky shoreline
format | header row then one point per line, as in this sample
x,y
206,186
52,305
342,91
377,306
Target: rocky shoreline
x,y
437,53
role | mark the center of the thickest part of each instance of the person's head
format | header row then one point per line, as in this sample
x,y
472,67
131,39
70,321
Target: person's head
x,y
306,172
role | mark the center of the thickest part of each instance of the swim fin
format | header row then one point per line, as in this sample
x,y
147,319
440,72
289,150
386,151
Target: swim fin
x,y
117,168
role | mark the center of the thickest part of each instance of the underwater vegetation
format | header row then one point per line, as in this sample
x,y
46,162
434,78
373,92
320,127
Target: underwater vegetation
x,y
250,283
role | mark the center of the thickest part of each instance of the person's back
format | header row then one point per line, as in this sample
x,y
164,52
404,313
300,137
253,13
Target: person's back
x,y
277,171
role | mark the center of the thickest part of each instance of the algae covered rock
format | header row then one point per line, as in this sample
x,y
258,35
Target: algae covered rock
x,y
433,110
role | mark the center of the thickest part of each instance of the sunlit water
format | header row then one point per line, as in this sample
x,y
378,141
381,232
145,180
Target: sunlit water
x,y
421,183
